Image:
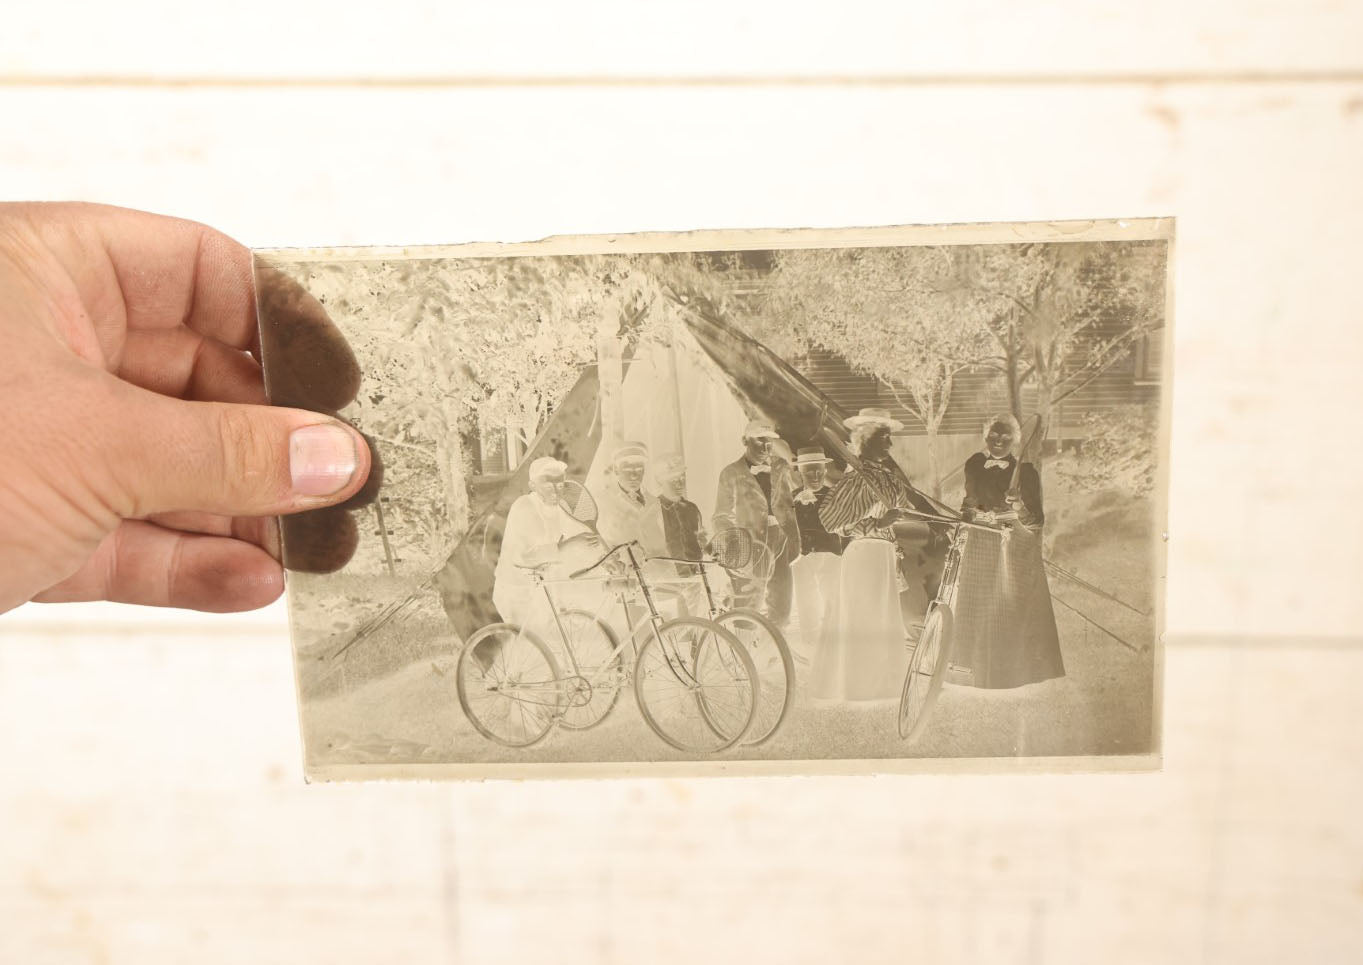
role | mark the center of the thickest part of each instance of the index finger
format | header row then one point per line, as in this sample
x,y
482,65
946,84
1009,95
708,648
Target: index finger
x,y
168,272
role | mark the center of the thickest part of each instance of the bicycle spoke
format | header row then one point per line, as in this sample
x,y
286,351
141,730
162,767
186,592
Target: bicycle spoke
x,y
514,697
695,685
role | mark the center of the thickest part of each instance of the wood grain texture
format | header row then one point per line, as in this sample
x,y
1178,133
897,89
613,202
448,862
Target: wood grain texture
x,y
152,810
534,41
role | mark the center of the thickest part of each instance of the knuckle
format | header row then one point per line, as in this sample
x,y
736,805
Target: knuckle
x,y
250,463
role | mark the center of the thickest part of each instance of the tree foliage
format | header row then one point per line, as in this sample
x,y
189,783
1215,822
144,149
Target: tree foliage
x,y
452,347
1061,314
900,315
1118,452
1055,315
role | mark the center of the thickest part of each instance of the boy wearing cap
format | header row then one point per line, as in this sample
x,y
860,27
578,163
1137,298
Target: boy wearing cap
x,y
682,523
686,536
755,493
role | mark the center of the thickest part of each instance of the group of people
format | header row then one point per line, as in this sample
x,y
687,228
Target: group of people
x,y
839,552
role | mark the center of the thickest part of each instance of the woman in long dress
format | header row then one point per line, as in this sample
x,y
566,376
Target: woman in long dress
x,y
1005,629
865,659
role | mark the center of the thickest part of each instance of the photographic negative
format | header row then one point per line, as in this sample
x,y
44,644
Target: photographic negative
x,y
755,502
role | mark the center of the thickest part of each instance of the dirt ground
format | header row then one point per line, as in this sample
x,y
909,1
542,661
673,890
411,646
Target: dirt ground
x,y
358,711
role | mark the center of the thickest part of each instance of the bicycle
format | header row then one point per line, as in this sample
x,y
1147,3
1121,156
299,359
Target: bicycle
x,y
695,684
932,653
765,642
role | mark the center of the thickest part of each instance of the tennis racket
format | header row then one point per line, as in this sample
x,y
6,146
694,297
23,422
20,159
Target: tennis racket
x,y
1022,451
732,548
578,502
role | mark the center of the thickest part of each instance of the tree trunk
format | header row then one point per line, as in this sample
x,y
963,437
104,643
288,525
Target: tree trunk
x,y
449,455
1014,387
526,433
1013,374
1044,392
383,533
934,458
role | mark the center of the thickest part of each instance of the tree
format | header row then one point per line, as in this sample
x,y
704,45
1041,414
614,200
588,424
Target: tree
x,y
1061,314
449,346
897,314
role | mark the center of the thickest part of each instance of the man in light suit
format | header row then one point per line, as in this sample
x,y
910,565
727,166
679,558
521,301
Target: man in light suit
x,y
755,493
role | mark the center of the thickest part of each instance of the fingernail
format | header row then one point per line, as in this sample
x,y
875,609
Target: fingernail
x,y
321,459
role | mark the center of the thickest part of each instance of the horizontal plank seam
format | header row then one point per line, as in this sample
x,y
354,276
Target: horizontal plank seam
x,y
12,633
1173,78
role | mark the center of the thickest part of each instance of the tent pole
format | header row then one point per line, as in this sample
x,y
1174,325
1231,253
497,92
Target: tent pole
x,y
610,374
679,435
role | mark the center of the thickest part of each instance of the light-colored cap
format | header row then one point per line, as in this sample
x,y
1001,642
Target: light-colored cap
x,y
546,466
629,452
760,429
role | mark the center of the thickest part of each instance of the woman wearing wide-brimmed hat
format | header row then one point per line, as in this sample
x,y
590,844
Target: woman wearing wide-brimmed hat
x,y
867,656
1005,629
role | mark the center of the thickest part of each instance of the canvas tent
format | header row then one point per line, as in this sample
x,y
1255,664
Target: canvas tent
x,y
691,395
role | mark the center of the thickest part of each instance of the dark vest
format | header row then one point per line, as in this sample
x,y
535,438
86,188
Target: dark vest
x,y
813,537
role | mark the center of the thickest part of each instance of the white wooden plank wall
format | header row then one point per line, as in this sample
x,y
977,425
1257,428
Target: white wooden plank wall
x,y
150,804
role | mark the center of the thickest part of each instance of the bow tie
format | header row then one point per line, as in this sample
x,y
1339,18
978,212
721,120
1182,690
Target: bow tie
x,y
759,470
997,463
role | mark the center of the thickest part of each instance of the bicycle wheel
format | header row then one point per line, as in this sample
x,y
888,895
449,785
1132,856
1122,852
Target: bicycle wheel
x,y
508,685
927,668
696,685
775,669
591,691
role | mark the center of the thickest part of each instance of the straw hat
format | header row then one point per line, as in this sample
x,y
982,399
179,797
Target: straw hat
x,y
874,416
811,456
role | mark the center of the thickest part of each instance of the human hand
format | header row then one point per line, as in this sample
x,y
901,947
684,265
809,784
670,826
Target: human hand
x,y
890,517
138,459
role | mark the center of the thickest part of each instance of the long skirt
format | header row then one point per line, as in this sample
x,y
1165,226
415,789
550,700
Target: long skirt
x,y
816,583
1004,627
867,657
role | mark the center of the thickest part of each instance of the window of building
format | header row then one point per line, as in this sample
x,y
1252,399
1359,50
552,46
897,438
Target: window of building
x,y
1149,357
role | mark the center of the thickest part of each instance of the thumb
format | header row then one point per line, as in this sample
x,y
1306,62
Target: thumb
x,y
234,460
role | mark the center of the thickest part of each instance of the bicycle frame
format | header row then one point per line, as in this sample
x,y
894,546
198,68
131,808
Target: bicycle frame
x,y
960,531
701,565
655,619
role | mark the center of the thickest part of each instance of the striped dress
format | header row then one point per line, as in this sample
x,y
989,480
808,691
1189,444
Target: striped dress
x,y
867,657
860,497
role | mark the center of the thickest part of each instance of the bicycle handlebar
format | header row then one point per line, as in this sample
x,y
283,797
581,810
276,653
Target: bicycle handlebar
x,y
680,559
711,561
609,553
950,520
